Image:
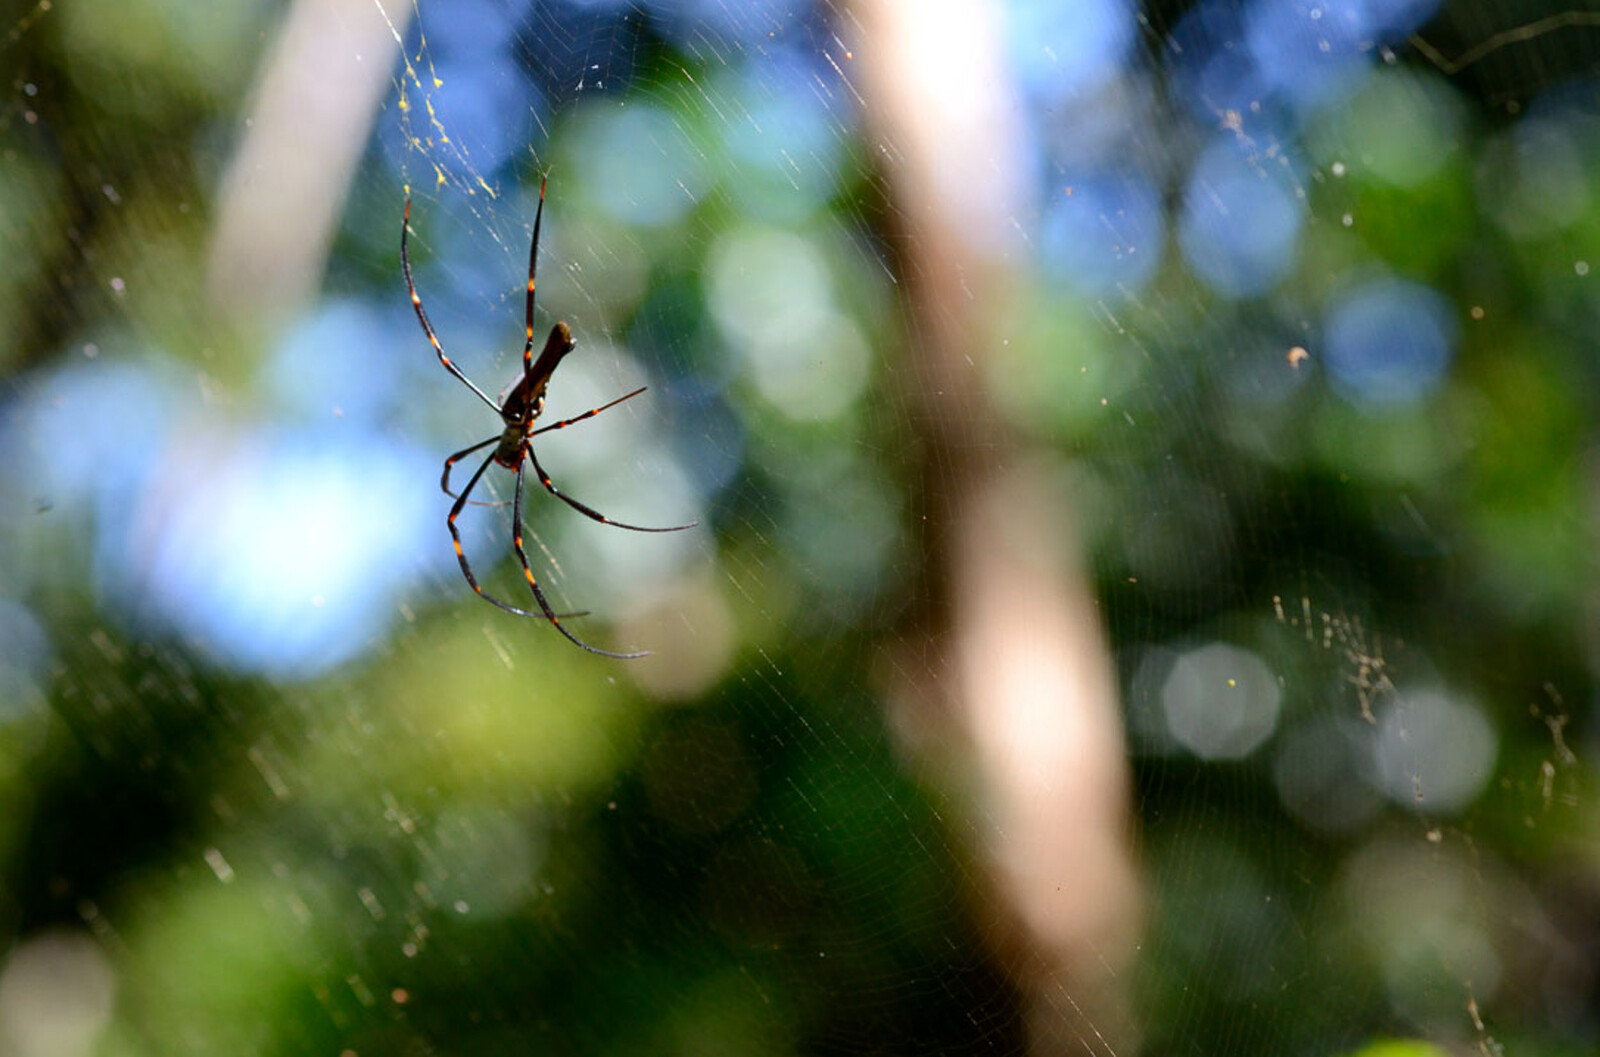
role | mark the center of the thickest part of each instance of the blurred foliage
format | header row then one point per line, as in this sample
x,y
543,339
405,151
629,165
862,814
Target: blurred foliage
x,y
475,839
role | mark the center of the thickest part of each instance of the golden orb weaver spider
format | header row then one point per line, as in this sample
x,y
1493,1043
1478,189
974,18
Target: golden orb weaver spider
x,y
514,444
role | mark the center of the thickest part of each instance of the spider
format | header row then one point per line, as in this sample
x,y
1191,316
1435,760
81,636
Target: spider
x,y
513,446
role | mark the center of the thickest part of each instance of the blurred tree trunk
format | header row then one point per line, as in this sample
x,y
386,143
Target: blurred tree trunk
x,y
311,116
1007,661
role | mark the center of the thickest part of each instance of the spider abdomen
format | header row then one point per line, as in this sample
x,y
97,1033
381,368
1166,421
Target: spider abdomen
x,y
526,399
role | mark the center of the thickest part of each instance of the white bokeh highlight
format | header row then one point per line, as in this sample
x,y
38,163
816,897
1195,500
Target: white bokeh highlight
x,y
57,990
1220,701
1433,753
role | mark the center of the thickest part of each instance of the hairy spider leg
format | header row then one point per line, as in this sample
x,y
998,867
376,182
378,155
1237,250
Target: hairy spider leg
x,y
422,316
593,411
461,554
545,612
533,585
588,511
444,479
533,259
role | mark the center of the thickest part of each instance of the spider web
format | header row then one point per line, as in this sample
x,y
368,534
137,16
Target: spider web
x,y
1301,618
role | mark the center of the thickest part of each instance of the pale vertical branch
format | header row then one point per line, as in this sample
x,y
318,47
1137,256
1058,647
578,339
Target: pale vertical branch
x,y
1009,660
310,121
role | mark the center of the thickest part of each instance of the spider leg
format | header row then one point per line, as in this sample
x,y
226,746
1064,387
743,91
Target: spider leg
x,y
422,317
588,511
533,259
461,556
593,411
444,479
533,585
